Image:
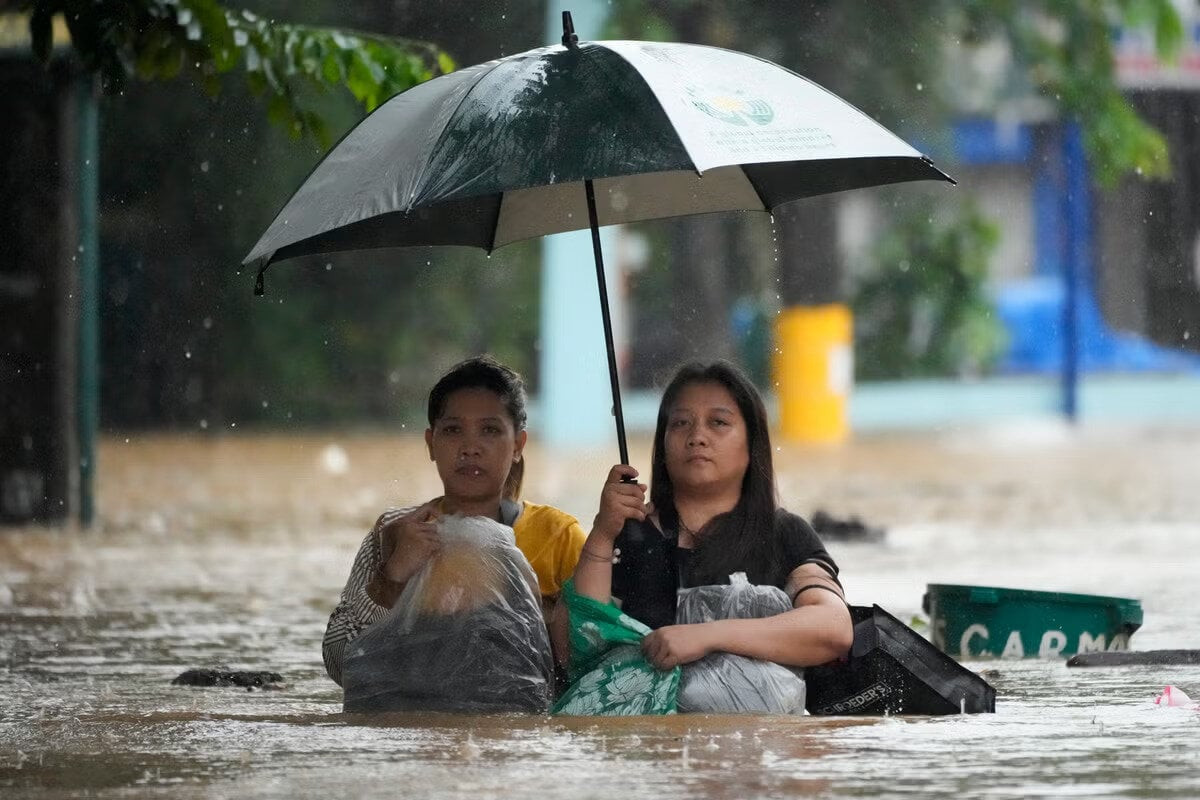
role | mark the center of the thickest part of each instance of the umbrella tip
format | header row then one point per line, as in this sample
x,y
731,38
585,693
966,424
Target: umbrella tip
x,y
569,40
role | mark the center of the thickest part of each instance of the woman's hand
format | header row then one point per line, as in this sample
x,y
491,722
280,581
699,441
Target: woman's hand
x,y
676,645
414,540
619,501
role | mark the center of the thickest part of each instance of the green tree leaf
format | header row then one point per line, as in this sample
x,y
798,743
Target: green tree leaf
x,y
164,39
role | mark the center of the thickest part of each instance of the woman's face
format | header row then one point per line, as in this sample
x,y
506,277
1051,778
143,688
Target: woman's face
x,y
706,444
474,444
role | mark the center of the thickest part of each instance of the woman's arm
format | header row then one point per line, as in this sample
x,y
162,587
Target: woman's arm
x,y
618,502
355,610
817,630
558,625
399,544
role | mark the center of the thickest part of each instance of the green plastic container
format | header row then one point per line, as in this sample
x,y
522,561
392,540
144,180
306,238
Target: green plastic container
x,y
991,622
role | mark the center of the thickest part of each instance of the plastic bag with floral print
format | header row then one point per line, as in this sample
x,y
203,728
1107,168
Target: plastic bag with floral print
x,y
608,674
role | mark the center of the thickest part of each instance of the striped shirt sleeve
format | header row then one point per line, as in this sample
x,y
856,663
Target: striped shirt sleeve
x,y
356,611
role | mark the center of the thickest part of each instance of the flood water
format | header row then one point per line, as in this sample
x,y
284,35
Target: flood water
x,y
231,551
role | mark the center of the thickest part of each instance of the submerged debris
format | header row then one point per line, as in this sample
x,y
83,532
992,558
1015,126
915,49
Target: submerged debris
x,y
829,527
223,677
1126,658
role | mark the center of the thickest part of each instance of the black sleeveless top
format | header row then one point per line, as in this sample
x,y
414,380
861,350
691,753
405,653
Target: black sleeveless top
x,y
650,567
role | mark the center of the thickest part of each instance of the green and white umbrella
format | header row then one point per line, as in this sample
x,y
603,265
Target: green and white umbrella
x,y
583,135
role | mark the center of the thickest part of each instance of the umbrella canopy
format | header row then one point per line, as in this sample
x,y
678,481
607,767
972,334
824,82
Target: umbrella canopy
x,y
586,134
498,152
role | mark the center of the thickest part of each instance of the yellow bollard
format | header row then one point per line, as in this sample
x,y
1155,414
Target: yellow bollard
x,y
814,372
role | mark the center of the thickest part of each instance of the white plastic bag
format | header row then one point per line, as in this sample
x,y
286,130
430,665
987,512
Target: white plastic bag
x,y
733,684
466,635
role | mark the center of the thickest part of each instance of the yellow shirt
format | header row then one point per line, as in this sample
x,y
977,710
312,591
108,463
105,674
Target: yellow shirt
x,y
551,539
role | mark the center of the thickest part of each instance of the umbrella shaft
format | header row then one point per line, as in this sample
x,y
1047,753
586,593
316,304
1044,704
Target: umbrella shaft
x,y
602,285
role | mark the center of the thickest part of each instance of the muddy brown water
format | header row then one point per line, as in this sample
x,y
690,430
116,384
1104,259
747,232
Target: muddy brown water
x,y
231,550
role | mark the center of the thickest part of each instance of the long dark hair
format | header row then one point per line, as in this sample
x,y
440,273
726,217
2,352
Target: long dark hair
x,y
743,539
485,372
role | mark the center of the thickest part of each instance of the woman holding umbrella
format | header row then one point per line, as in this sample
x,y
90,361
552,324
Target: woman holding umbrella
x,y
713,513
476,438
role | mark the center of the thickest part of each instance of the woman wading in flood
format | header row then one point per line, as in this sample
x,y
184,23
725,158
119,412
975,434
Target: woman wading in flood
x,y
476,438
713,513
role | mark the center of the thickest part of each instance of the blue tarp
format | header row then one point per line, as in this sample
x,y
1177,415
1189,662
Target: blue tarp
x,y
1032,313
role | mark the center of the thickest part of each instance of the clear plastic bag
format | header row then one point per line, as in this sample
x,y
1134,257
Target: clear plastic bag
x,y
466,635
729,683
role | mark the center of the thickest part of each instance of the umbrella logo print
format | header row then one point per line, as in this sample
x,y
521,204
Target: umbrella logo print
x,y
734,109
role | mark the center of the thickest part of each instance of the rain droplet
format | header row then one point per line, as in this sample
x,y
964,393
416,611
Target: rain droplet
x,y
328,267
203,424
920,87
207,323
334,460
204,166
187,353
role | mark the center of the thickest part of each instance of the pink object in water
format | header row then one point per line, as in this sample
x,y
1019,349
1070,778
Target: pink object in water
x,y
1173,696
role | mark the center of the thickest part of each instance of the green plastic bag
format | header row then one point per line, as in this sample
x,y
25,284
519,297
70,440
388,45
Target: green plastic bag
x,y
609,675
